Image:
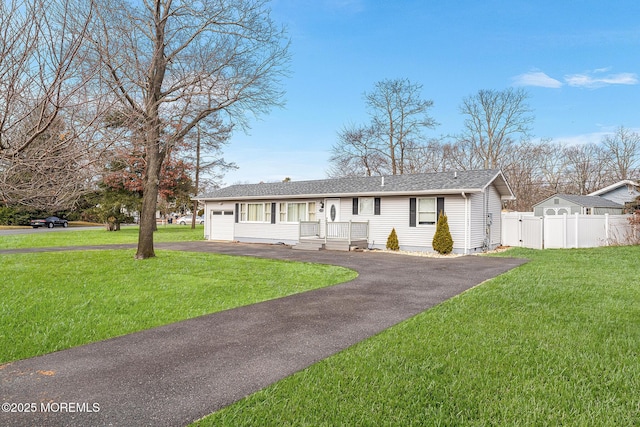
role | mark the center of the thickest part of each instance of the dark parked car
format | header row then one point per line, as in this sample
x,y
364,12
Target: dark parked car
x,y
49,222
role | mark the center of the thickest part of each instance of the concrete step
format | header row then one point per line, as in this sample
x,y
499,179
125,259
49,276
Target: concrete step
x,y
337,245
309,246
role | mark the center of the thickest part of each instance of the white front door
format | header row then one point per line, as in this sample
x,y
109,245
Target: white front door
x,y
332,210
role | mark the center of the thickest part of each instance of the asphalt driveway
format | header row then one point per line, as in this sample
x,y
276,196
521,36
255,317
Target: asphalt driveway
x,y
175,374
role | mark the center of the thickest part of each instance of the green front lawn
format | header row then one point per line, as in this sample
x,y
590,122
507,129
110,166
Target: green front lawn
x,y
553,342
56,300
43,237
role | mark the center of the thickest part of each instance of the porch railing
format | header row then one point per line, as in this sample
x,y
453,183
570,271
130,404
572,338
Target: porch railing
x,y
349,231
309,229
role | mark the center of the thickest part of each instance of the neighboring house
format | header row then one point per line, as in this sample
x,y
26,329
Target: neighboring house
x,y
337,213
571,204
621,192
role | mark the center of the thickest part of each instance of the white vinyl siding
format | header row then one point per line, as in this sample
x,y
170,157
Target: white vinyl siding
x,y
395,214
476,207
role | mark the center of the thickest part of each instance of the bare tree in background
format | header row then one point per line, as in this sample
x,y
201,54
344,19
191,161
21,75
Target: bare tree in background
x,y
42,151
51,173
622,151
525,175
390,143
553,167
494,122
398,114
207,141
585,170
172,64
356,153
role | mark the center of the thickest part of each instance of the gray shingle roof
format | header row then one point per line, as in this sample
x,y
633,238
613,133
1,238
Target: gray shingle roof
x,y
441,182
589,201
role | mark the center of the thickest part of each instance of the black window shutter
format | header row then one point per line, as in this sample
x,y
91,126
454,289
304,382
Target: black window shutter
x,y
412,212
355,206
440,202
273,213
376,206
237,213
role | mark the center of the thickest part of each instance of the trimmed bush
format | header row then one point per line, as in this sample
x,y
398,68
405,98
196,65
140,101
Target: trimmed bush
x,y
392,241
442,241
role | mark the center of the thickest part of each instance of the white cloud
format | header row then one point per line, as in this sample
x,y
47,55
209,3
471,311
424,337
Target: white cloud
x,y
536,78
595,79
581,139
590,79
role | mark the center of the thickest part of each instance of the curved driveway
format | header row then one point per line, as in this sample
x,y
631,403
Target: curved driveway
x,y
175,374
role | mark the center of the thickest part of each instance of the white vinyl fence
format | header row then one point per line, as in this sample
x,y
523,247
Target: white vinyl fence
x,y
566,231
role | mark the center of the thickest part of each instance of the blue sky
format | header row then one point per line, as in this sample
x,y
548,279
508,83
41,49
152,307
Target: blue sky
x,y
579,60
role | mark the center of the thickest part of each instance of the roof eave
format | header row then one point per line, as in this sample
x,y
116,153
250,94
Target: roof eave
x,y
329,195
503,187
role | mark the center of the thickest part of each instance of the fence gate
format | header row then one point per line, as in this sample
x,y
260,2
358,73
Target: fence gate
x,y
522,229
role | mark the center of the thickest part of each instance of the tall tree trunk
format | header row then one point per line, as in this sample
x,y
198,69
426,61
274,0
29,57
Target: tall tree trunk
x,y
149,207
154,160
195,202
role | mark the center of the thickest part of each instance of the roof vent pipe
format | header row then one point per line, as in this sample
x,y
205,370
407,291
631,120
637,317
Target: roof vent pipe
x,y
455,174
382,182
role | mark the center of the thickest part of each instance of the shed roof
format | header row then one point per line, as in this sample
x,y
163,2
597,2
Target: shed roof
x,y
585,201
428,183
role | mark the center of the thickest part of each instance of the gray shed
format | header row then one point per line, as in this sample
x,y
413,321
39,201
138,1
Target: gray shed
x,y
571,204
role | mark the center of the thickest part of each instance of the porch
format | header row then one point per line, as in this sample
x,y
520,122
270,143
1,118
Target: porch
x,y
337,236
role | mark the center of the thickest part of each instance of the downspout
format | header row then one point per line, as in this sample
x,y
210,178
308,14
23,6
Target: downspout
x,y
466,224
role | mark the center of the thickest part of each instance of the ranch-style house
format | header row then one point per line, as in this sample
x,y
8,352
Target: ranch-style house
x,y
360,212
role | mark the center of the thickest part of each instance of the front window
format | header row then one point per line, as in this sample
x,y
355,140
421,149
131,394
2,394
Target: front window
x,y
312,211
296,212
254,212
427,210
267,212
366,206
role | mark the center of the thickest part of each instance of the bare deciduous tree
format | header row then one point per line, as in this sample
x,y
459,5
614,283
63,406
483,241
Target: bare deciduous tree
x,y
622,151
356,153
495,121
207,141
38,51
51,173
43,152
391,143
398,115
584,168
172,64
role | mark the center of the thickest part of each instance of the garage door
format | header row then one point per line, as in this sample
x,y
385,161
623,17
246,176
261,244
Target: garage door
x,y
222,222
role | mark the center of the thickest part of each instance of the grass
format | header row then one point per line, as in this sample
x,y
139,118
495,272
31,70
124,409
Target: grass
x,y
553,342
99,236
52,301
